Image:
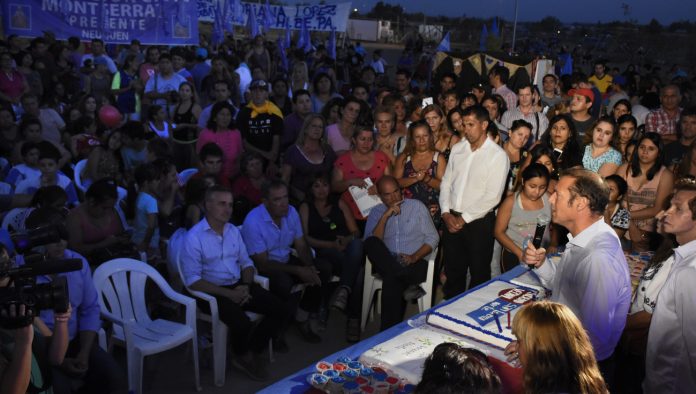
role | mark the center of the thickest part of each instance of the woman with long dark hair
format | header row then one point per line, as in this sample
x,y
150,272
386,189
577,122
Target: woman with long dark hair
x,y
628,131
517,215
649,186
455,369
519,133
323,91
332,232
221,130
420,168
340,133
601,155
562,138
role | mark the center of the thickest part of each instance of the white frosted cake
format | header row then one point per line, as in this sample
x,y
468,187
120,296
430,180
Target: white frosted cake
x,y
405,354
474,315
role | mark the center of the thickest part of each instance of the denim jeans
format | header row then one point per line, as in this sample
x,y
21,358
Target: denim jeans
x,y
348,264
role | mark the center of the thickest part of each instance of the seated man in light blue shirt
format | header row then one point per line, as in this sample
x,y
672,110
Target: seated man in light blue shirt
x,y
399,236
214,260
270,231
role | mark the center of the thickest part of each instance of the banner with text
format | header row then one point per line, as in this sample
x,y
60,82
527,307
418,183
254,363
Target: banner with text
x,y
114,21
318,17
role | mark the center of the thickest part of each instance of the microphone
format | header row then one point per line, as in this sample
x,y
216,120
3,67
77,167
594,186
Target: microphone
x,y
542,221
45,268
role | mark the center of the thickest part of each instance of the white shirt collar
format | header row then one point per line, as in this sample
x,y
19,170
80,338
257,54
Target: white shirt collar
x,y
587,234
684,251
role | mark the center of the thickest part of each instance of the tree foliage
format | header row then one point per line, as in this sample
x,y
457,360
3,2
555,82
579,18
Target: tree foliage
x,y
385,11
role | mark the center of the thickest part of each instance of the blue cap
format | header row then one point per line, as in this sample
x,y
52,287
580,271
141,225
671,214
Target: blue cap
x,y
202,53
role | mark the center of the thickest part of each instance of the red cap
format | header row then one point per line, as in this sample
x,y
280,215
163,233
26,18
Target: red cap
x,y
582,92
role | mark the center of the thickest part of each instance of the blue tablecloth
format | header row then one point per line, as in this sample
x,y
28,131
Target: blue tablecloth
x,y
297,383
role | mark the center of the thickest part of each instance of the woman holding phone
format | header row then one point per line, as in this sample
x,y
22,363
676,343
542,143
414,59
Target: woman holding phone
x,y
561,137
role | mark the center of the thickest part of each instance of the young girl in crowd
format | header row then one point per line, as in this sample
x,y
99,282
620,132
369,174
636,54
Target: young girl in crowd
x,y
145,229
616,215
600,156
157,122
628,131
517,215
514,147
84,137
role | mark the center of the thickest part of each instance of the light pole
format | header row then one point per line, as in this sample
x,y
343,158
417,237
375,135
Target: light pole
x,y
514,28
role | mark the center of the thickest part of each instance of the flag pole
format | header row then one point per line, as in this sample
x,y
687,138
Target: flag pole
x,y
514,28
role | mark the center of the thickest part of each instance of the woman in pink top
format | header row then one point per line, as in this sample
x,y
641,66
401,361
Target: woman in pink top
x,y
12,82
339,134
649,187
222,131
361,162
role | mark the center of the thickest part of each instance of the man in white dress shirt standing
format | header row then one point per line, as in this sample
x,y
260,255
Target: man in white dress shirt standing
x,y
592,277
469,193
670,363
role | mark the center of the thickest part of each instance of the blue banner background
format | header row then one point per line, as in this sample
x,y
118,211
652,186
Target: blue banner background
x,y
114,21
317,17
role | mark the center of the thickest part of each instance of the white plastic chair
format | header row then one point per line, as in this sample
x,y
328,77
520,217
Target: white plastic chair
x,y
219,328
79,168
174,244
120,284
373,285
14,219
186,174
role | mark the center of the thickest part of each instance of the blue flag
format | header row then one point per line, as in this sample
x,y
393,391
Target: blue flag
x,y
307,41
332,44
237,12
224,18
288,39
494,28
567,60
283,56
484,37
444,44
218,21
301,37
252,23
267,18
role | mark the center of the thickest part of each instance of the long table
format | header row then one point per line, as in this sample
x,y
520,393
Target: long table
x,y
297,382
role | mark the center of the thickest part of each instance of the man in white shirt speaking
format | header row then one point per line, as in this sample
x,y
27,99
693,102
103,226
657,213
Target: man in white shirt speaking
x,y
469,193
670,363
592,276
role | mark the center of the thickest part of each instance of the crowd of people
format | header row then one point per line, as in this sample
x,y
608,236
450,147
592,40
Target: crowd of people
x,y
282,145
